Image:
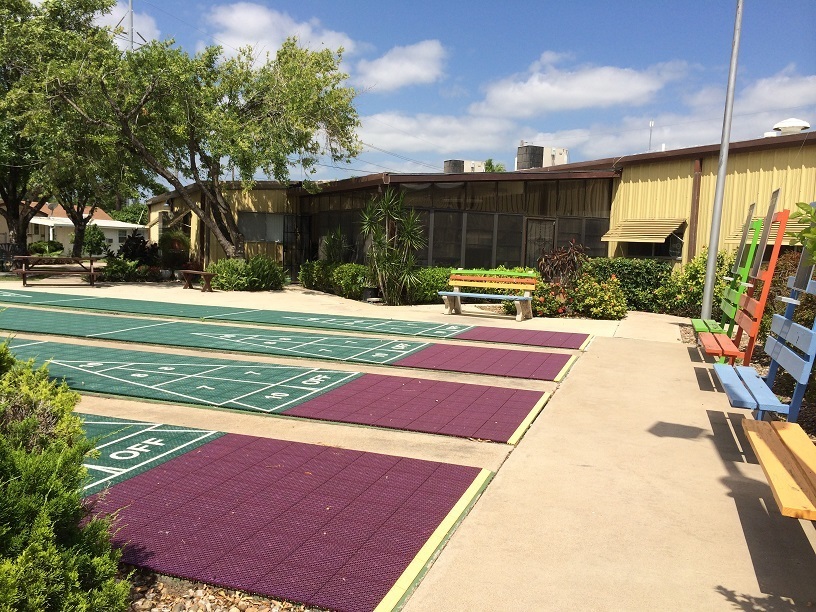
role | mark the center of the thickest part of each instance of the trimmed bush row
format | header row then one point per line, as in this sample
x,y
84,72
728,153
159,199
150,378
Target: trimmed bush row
x,y
603,288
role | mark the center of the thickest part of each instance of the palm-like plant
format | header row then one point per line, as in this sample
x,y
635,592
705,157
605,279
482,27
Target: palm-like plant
x,y
395,234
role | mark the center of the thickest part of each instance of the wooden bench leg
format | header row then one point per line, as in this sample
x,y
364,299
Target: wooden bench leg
x,y
188,281
205,283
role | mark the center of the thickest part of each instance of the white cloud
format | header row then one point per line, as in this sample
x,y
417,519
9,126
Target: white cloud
x,y
245,23
545,88
143,24
440,134
420,63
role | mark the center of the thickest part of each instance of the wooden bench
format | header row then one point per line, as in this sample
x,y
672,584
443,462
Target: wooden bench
x,y
791,347
788,458
737,281
748,316
35,265
523,282
190,276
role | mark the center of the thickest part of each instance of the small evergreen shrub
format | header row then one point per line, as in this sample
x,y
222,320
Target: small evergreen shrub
x,y
598,300
349,280
53,556
231,274
320,275
264,274
94,242
306,274
682,293
45,247
428,282
638,278
118,270
136,248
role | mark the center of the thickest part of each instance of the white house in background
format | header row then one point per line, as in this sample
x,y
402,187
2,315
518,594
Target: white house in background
x,y
54,224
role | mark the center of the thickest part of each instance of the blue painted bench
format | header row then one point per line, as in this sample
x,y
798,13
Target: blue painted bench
x,y
791,347
523,282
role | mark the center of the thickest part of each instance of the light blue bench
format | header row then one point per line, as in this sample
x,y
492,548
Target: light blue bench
x,y
791,347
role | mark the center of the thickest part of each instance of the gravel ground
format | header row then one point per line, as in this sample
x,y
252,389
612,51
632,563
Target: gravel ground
x,y
154,593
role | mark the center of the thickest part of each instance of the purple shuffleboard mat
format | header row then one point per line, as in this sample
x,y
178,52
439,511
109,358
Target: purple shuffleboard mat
x,y
320,525
495,361
453,409
552,339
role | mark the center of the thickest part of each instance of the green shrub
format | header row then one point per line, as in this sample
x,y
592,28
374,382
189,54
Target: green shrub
x,y
639,278
428,282
174,247
94,242
137,248
323,276
231,274
119,270
306,274
264,274
598,300
52,555
682,293
45,247
349,280
335,246
549,300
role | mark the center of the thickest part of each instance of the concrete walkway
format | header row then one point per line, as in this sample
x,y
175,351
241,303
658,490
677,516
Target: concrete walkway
x,y
630,491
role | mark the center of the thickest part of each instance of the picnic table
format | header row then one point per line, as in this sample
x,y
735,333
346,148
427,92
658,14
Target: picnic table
x,y
42,265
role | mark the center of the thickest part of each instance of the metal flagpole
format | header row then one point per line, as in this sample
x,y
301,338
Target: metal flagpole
x,y
130,28
716,214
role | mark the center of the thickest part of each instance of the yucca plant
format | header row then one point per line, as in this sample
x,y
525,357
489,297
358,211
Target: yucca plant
x,y
395,234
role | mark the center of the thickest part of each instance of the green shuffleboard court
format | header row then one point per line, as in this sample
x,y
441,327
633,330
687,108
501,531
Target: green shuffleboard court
x,y
225,313
127,448
181,379
215,337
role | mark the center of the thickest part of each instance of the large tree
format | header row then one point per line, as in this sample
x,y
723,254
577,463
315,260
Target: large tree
x,y
195,119
33,36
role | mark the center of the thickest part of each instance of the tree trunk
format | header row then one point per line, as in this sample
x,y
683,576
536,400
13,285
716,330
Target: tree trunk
x,y
79,240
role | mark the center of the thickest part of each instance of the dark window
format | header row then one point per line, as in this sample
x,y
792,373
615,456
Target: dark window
x,y
422,254
508,240
569,229
261,227
479,241
671,248
594,229
447,238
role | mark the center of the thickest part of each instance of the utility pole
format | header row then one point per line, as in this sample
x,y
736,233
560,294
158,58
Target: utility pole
x,y
716,213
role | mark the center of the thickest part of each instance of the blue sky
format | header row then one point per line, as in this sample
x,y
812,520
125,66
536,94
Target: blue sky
x,y
441,80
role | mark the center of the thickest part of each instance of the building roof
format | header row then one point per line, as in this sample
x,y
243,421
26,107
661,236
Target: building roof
x,y
744,146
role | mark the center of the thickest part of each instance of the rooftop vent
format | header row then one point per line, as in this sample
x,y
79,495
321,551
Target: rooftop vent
x,y
791,126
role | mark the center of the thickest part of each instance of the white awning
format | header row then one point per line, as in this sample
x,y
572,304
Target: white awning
x,y
643,230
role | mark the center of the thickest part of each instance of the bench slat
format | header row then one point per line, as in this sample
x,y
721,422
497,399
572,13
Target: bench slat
x,y
699,325
791,362
709,343
793,492
797,335
765,398
497,279
727,346
487,296
738,394
491,285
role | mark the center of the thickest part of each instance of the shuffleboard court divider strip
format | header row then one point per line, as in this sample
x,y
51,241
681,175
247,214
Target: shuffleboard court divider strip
x,y
419,565
522,428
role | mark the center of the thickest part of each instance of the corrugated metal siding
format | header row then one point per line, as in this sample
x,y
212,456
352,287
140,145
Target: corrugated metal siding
x,y
653,191
664,190
752,177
